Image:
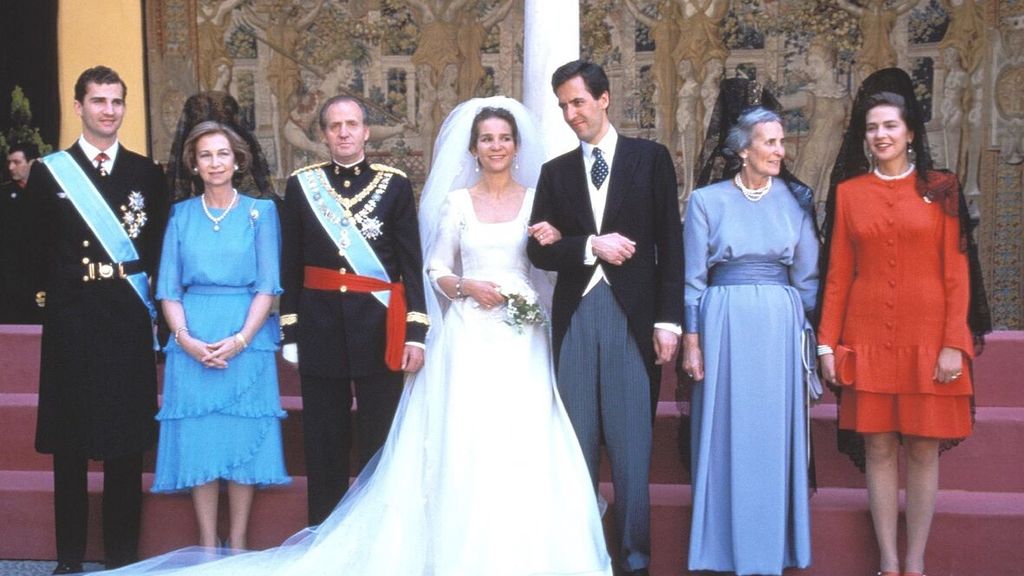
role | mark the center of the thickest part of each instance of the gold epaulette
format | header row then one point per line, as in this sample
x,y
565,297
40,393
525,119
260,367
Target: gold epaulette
x,y
386,168
289,319
311,167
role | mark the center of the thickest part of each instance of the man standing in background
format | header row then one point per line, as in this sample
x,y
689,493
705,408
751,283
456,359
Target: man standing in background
x,y
19,266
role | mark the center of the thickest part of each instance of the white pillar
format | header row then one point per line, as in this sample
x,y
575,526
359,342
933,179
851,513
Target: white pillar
x,y
551,38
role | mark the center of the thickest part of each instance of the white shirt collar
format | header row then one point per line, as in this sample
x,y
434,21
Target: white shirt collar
x,y
91,151
607,145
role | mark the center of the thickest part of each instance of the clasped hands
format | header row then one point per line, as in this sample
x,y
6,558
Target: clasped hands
x,y
211,354
613,248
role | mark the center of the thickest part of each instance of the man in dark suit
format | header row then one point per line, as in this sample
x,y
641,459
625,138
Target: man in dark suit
x,y
19,263
101,211
618,302
353,309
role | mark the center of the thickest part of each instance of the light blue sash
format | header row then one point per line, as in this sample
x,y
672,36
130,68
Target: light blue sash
x,y
341,229
101,220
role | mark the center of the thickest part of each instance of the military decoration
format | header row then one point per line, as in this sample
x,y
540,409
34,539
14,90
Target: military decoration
x,y
133,216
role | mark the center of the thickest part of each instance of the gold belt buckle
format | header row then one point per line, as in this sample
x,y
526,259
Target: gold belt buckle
x,y
106,271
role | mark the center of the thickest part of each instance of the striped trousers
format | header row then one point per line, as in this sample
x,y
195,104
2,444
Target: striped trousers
x,y
606,390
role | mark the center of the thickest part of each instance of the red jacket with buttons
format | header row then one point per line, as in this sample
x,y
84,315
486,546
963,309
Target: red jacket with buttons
x,y
897,287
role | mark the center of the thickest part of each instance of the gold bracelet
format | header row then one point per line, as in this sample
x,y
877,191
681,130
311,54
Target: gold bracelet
x,y
241,340
178,333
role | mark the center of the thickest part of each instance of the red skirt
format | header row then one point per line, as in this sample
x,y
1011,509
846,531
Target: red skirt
x,y
925,415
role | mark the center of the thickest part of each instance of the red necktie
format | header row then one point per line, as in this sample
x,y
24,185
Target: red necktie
x,y
100,159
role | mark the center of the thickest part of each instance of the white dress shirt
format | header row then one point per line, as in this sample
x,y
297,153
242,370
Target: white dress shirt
x,y
598,196
91,152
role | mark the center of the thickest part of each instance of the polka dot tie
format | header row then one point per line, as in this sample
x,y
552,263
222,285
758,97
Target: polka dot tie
x,y
599,171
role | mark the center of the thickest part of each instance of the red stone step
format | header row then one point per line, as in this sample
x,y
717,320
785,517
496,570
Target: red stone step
x,y
989,461
168,521
973,534
997,371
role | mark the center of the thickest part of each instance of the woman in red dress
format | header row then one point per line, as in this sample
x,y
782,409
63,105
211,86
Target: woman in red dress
x,y
897,292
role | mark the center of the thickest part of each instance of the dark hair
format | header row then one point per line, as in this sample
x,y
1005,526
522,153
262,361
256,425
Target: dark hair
x,y
238,146
30,150
886,99
486,113
741,134
98,75
335,100
913,117
592,74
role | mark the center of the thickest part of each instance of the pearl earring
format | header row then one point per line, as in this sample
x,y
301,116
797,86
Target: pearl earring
x,y
477,167
236,167
195,170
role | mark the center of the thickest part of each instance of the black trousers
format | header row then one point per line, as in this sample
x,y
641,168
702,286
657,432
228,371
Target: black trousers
x,y
327,431
122,507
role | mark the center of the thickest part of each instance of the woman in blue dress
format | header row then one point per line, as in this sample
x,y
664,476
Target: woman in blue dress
x,y
221,412
751,275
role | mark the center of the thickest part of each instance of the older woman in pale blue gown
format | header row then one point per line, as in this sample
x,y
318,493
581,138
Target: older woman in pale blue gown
x,y
751,275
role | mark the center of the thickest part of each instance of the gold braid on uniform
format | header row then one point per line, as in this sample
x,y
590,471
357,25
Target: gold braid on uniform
x,y
417,318
289,319
386,168
310,167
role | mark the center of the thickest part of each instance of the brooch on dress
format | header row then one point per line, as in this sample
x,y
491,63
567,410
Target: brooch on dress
x,y
254,215
133,216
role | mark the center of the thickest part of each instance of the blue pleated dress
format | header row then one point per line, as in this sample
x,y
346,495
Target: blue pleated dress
x,y
221,423
751,272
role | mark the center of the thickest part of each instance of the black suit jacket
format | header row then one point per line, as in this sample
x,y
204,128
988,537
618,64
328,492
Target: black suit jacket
x,y
643,207
97,382
343,335
20,265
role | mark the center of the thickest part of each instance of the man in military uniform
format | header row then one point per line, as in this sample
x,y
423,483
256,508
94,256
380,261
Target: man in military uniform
x,y
19,269
352,312
103,210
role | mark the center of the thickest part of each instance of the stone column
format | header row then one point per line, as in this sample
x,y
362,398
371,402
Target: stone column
x,y
551,38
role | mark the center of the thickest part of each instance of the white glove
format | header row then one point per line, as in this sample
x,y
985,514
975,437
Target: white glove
x,y
290,352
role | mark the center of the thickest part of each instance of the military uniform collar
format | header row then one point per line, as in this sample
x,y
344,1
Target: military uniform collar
x,y
350,170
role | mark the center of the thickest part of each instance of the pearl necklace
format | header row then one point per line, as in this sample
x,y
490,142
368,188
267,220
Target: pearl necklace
x,y
886,177
753,194
216,219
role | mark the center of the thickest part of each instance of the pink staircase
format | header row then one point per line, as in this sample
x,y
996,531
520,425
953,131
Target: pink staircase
x,y
977,529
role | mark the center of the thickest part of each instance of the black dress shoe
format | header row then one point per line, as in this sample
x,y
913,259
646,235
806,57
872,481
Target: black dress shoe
x,y
68,568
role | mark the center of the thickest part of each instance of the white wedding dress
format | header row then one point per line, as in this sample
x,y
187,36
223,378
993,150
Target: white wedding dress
x,y
481,474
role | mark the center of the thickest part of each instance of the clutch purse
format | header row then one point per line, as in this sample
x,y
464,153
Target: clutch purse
x,y
846,365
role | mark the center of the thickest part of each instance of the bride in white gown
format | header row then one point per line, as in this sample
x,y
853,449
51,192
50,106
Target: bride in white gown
x,y
481,473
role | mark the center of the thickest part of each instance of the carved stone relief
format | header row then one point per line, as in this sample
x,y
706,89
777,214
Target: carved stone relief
x,y
411,61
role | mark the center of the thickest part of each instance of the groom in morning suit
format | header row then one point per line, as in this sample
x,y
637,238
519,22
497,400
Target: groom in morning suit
x,y
618,302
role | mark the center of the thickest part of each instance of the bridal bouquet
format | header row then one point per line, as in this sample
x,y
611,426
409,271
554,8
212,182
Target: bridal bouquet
x,y
522,310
